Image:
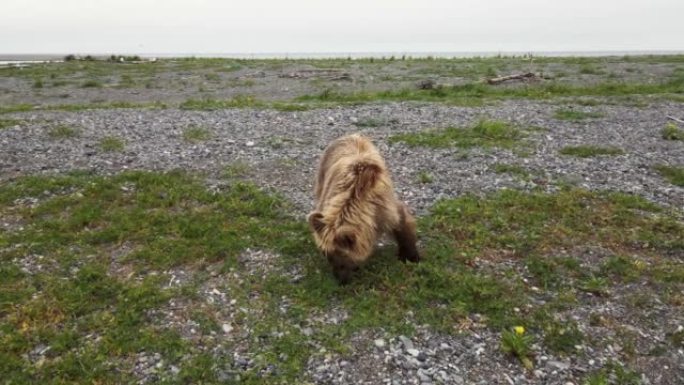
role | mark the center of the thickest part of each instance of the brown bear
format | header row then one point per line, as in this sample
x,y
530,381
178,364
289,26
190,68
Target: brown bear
x,y
355,205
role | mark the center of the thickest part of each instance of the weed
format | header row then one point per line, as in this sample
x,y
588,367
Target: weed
x,y
373,122
240,101
425,177
588,151
674,174
515,342
562,337
196,134
6,123
595,285
63,132
236,170
613,374
112,144
672,132
486,133
575,115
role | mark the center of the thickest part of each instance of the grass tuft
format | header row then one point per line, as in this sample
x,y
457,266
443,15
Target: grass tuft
x,y
672,132
112,144
575,115
240,101
63,132
425,177
6,123
196,134
674,174
588,151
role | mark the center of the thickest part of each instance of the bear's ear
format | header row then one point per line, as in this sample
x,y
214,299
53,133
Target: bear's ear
x,y
345,241
316,221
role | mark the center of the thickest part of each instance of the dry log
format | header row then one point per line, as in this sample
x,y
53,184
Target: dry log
x,y
675,119
526,76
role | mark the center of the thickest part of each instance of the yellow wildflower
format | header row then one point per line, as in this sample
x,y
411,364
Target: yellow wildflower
x,y
519,330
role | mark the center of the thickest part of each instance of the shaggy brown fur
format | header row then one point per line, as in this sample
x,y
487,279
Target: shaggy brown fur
x,y
355,205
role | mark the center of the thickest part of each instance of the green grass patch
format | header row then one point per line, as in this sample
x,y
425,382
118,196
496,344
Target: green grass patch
x,y
575,115
6,123
16,108
588,151
674,174
672,132
63,132
240,101
425,177
374,122
476,93
112,144
96,319
485,133
196,134
236,170
613,373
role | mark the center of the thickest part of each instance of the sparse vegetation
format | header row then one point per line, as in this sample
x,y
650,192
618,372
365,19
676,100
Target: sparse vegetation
x,y
517,343
588,151
373,122
196,134
170,221
212,104
6,123
425,177
674,174
112,144
236,170
575,115
63,132
485,133
672,132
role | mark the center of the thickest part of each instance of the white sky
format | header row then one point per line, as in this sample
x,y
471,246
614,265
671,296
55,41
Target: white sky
x,y
290,26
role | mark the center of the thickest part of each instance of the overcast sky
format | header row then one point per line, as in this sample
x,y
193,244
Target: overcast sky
x,y
346,26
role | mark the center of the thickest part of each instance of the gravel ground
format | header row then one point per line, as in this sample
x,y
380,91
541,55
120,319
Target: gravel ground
x,y
279,150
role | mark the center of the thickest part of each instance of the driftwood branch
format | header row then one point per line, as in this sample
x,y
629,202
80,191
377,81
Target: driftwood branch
x,y
525,76
675,119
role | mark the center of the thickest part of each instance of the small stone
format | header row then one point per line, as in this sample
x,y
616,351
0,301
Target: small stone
x,y
249,143
174,369
558,365
227,328
408,344
422,357
413,352
380,343
307,332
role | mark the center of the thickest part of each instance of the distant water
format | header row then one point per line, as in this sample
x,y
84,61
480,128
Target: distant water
x,y
16,59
